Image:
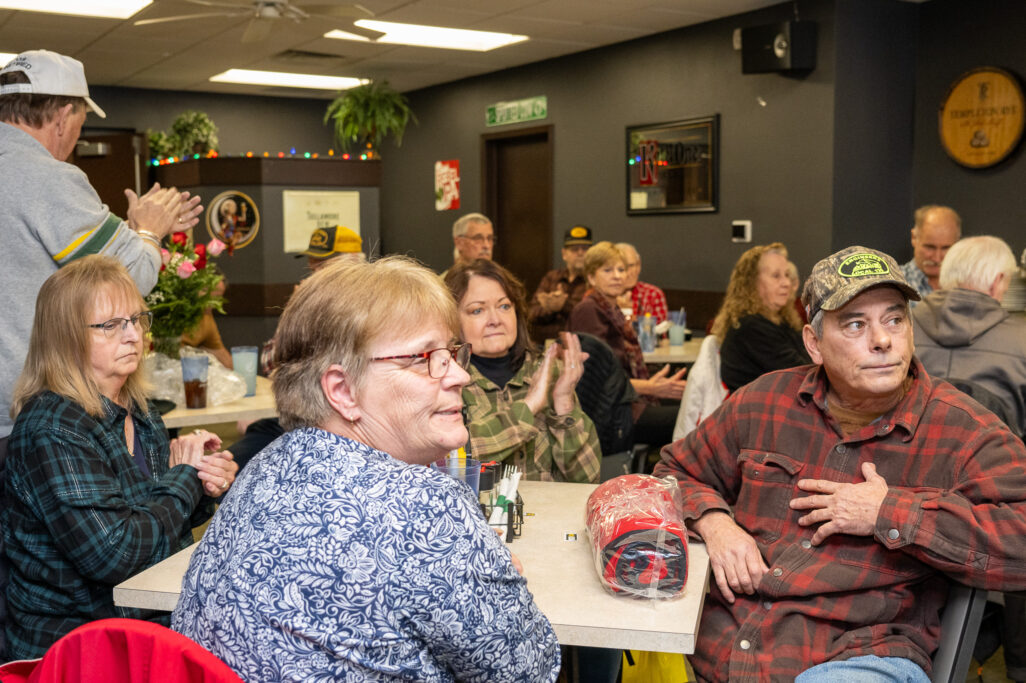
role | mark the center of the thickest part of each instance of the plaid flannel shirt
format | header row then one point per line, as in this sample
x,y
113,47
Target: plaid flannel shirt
x,y
648,298
956,477
546,446
80,516
545,325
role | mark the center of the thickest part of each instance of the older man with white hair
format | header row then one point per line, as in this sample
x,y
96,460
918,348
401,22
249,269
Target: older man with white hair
x,y
473,237
963,333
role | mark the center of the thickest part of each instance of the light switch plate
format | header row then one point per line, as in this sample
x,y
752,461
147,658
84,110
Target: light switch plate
x,y
740,231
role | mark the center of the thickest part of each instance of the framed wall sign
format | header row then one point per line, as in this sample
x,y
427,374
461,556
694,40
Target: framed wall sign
x,y
673,167
304,211
981,117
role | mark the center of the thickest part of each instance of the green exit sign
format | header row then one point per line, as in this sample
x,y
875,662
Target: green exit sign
x,y
518,111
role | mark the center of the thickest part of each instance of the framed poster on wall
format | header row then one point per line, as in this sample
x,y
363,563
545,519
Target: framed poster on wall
x,y
307,210
673,167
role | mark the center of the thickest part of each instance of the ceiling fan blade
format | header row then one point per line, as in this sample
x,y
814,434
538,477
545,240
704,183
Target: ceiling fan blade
x,y
349,10
215,3
181,17
369,34
257,30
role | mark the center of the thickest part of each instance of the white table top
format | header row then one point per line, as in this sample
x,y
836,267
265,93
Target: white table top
x,y
677,355
562,577
560,574
246,408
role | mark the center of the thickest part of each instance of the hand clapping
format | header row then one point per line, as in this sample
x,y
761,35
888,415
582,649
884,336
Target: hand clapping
x,y
566,382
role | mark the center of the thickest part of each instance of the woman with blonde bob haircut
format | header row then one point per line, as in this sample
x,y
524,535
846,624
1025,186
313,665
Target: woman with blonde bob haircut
x,y
96,491
599,314
339,555
758,324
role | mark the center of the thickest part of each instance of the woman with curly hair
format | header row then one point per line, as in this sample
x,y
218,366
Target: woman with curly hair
x,y
758,323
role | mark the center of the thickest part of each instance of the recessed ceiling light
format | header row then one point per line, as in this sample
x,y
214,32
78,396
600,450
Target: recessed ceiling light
x,y
111,9
431,36
287,80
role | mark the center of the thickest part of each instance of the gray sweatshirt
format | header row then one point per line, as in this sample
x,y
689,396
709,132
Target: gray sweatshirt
x,y
50,216
964,334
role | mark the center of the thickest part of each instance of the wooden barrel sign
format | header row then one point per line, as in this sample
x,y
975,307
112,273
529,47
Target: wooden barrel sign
x,y
981,118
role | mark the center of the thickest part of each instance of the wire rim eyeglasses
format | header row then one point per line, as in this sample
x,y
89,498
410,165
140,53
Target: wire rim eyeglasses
x,y
437,359
110,327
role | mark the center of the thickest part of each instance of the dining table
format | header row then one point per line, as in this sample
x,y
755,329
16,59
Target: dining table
x,y
561,574
674,355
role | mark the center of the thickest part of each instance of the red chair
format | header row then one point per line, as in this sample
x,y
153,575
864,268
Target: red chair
x,y
121,651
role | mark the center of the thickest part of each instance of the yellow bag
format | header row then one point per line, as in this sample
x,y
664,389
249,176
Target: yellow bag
x,y
654,667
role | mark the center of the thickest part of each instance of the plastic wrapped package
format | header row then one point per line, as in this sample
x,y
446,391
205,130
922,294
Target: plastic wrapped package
x,y
165,374
638,538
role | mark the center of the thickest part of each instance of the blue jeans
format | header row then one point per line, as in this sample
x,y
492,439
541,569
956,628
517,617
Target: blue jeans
x,y
867,669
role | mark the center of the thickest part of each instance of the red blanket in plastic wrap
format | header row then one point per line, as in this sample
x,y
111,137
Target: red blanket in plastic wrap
x,y
638,537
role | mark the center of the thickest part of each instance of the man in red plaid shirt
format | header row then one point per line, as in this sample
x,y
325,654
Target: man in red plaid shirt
x,y
640,296
837,499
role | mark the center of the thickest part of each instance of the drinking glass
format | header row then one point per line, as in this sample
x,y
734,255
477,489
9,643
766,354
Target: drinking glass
x,y
467,470
244,360
194,375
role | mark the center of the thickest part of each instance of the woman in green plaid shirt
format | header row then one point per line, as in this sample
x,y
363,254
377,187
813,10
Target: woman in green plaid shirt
x,y
93,490
521,404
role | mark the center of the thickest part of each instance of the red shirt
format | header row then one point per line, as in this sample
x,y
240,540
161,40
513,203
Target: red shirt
x,y
955,506
648,298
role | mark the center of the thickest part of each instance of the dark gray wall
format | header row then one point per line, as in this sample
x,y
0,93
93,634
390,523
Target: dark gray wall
x,y
874,102
954,38
776,159
245,123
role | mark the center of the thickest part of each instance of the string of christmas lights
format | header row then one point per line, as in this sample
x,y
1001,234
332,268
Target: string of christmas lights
x,y
291,154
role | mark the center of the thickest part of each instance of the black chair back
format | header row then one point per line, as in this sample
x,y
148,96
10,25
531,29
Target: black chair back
x,y
606,395
984,397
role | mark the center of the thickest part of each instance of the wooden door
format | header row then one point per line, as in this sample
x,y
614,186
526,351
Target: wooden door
x,y
113,162
518,198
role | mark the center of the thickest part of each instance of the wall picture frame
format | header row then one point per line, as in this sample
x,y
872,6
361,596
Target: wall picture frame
x,y
233,218
673,167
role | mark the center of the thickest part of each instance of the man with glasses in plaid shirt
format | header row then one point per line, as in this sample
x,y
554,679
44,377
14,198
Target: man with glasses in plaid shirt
x,y
838,500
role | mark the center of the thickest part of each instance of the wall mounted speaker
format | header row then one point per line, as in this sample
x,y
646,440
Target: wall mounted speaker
x,y
787,46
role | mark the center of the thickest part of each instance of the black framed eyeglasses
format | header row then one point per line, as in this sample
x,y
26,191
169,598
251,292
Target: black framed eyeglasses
x,y
437,359
141,320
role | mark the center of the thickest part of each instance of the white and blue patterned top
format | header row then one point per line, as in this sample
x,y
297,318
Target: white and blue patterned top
x,y
917,278
332,561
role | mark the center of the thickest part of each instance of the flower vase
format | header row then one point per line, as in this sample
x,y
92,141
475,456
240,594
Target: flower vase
x,y
168,346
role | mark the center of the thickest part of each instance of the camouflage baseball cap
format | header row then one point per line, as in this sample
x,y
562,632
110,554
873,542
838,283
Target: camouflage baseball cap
x,y
841,277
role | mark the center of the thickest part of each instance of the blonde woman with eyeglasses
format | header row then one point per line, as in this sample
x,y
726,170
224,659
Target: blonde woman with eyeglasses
x,y
94,491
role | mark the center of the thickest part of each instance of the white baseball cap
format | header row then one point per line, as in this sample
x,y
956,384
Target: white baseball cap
x,y
50,74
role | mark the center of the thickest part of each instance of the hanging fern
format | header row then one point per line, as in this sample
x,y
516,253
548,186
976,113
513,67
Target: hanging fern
x,y
368,114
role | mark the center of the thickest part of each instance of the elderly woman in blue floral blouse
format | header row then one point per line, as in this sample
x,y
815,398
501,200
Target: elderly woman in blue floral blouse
x,y
339,555
94,492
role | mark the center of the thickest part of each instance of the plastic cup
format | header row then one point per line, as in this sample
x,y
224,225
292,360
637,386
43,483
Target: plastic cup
x,y
194,376
676,335
469,471
244,358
